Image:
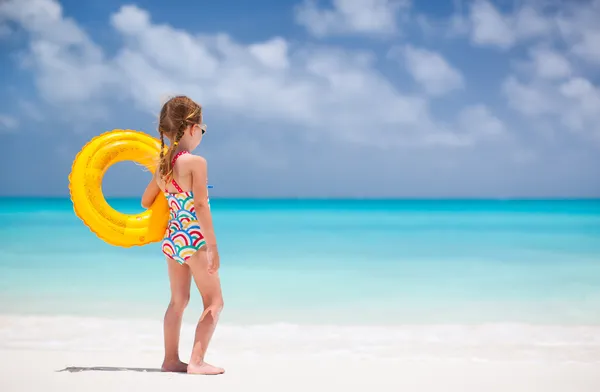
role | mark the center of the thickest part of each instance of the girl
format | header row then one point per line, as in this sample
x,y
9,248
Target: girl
x,y
189,244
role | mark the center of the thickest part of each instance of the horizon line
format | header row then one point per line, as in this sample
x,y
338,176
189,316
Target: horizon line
x,y
344,198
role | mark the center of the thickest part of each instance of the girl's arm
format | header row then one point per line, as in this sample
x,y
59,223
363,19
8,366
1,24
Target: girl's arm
x,y
152,190
199,187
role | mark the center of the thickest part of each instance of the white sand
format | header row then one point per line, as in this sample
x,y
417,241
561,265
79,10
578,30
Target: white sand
x,y
508,358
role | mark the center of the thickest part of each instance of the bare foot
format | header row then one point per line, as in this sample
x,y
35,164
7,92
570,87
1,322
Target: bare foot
x,y
174,366
204,368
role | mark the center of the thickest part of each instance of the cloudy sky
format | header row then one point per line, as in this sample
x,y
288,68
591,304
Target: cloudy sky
x,y
307,98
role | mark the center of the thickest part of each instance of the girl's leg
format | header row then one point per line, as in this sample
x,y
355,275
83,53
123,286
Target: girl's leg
x,y
180,279
209,286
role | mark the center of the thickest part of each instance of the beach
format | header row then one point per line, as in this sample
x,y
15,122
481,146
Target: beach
x,y
72,354
325,295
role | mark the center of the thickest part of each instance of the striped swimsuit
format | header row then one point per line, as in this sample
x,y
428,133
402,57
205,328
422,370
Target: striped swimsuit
x,y
183,236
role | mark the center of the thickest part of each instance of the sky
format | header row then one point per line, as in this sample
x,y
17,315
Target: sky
x,y
307,98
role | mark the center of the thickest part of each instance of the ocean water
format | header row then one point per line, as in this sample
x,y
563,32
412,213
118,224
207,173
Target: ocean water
x,y
353,262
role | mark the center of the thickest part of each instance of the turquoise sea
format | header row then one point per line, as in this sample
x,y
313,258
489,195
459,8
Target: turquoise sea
x,y
325,262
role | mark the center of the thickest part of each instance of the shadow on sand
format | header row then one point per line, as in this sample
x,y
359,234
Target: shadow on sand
x,y
76,369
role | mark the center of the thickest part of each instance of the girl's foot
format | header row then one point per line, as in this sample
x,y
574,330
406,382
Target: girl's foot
x,y
204,368
174,366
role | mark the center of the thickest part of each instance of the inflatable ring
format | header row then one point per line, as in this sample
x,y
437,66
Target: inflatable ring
x,y
89,204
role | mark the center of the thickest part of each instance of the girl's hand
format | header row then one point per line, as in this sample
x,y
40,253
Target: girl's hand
x,y
214,262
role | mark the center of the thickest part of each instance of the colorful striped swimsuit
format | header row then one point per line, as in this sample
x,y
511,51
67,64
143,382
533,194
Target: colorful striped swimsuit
x,y
183,236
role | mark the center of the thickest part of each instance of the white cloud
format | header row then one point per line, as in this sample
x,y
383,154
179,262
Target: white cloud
x,y
350,17
574,104
180,53
319,90
549,64
548,87
490,27
273,53
532,100
573,23
583,112
588,46
530,23
477,119
69,65
431,70
579,26
8,123
474,124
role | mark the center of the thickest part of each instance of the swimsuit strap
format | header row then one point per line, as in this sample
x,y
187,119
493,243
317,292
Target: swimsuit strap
x,y
175,184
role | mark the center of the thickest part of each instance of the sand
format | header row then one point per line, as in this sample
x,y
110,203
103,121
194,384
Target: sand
x,y
82,354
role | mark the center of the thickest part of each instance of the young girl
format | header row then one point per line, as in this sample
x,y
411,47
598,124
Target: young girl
x,y
190,245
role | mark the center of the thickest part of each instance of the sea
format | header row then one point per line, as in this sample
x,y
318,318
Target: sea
x,y
323,262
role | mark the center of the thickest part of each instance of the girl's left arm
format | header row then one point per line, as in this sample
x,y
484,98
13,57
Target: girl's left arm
x,y
152,190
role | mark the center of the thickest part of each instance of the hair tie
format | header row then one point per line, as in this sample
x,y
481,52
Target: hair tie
x,y
175,144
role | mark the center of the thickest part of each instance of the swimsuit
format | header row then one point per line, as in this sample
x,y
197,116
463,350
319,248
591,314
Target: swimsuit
x,y
183,236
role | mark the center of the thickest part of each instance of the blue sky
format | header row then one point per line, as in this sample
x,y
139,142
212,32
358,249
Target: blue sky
x,y
336,98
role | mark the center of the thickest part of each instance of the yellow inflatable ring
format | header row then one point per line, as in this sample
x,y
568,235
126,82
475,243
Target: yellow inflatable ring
x,y
85,186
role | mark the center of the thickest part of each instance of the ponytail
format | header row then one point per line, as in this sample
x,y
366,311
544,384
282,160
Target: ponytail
x,y
165,168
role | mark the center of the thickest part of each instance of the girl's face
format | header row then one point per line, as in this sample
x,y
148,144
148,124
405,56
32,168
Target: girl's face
x,y
196,133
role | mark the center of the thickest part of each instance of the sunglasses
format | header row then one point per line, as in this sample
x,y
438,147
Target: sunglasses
x,y
202,128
